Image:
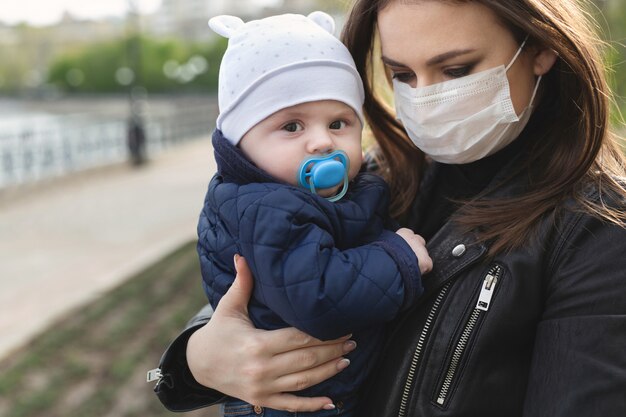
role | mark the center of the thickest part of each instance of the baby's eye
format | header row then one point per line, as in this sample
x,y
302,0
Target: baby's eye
x,y
337,124
292,127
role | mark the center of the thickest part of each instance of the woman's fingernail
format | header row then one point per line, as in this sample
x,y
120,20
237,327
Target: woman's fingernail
x,y
329,407
349,346
343,364
235,259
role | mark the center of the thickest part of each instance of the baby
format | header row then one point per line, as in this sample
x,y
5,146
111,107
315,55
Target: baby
x,y
288,197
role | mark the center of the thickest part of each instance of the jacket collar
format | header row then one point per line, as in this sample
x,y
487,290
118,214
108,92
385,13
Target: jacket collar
x,y
233,166
453,251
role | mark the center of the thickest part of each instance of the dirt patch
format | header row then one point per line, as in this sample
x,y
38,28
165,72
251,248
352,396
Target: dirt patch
x,y
93,363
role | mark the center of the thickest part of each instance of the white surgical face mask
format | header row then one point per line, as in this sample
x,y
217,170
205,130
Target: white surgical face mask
x,y
462,120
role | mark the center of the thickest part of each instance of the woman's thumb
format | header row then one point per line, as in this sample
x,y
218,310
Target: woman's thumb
x,y
238,295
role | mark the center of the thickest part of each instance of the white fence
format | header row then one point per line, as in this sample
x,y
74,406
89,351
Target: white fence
x,y
64,144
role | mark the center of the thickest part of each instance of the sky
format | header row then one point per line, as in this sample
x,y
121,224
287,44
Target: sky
x,y
44,12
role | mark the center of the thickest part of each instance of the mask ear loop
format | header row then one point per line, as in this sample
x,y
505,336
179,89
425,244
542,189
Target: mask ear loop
x,y
532,98
519,51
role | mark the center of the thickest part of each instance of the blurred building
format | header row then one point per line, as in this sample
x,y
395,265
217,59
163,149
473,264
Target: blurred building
x,y
69,29
188,18
26,51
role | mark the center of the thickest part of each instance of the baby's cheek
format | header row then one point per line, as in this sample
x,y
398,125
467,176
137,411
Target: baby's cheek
x,y
355,167
355,163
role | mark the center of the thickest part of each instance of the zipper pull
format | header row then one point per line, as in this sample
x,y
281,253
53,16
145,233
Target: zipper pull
x,y
486,292
153,375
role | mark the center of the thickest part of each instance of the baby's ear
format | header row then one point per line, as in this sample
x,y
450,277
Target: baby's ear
x,y
324,20
225,25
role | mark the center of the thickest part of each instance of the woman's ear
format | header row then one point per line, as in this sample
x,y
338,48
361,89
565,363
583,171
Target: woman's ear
x,y
544,60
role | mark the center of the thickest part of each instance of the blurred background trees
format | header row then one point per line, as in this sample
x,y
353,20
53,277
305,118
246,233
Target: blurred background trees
x,y
167,66
180,54
611,18
176,52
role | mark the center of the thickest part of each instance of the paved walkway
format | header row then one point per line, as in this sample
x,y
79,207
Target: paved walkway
x,y
65,243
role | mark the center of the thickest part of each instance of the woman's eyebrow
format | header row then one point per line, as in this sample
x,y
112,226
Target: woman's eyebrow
x,y
432,61
391,62
448,55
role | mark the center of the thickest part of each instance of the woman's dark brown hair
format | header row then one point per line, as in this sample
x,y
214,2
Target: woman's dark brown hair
x,y
570,150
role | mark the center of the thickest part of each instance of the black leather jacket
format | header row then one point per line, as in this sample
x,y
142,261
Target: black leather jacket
x,y
539,331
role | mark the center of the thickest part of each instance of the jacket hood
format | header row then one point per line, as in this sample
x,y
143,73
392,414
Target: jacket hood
x,y
233,166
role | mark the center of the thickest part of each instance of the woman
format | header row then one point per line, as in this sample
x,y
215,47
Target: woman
x,y
522,203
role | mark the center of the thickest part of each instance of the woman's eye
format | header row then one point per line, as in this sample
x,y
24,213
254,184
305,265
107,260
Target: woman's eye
x,y
292,127
458,72
403,77
337,124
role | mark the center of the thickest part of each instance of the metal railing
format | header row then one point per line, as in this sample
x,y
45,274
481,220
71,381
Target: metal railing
x,y
74,143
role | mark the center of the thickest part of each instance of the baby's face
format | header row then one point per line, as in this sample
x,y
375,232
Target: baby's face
x,y
280,143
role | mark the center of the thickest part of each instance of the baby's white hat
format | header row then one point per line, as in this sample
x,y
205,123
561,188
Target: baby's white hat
x,y
278,62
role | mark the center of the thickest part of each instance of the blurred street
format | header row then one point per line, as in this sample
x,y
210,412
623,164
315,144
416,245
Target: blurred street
x,y
66,241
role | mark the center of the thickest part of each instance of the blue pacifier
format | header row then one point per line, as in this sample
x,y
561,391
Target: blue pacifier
x,y
319,172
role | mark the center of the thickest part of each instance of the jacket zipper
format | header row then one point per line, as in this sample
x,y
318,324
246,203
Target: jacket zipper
x,y
482,305
154,375
418,349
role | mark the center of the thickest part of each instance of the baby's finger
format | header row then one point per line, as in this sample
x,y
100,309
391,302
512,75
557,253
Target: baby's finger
x,y
425,263
420,239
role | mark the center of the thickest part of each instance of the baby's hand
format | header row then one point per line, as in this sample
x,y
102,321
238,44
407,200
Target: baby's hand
x,y
418,244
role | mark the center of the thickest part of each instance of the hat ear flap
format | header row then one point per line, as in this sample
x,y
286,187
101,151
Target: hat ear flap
x,y
225,25
324,20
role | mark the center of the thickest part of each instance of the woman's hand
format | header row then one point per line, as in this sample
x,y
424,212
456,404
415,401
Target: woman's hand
x,y
258,366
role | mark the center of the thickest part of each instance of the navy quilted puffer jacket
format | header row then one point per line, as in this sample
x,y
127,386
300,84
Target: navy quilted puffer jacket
x,y
329,269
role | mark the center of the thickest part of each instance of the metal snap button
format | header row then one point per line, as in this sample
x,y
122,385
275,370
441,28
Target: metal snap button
x,y
339,404
258,409
458,250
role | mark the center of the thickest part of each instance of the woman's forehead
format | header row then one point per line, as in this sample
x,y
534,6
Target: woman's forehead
x,y
383,3
435,27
